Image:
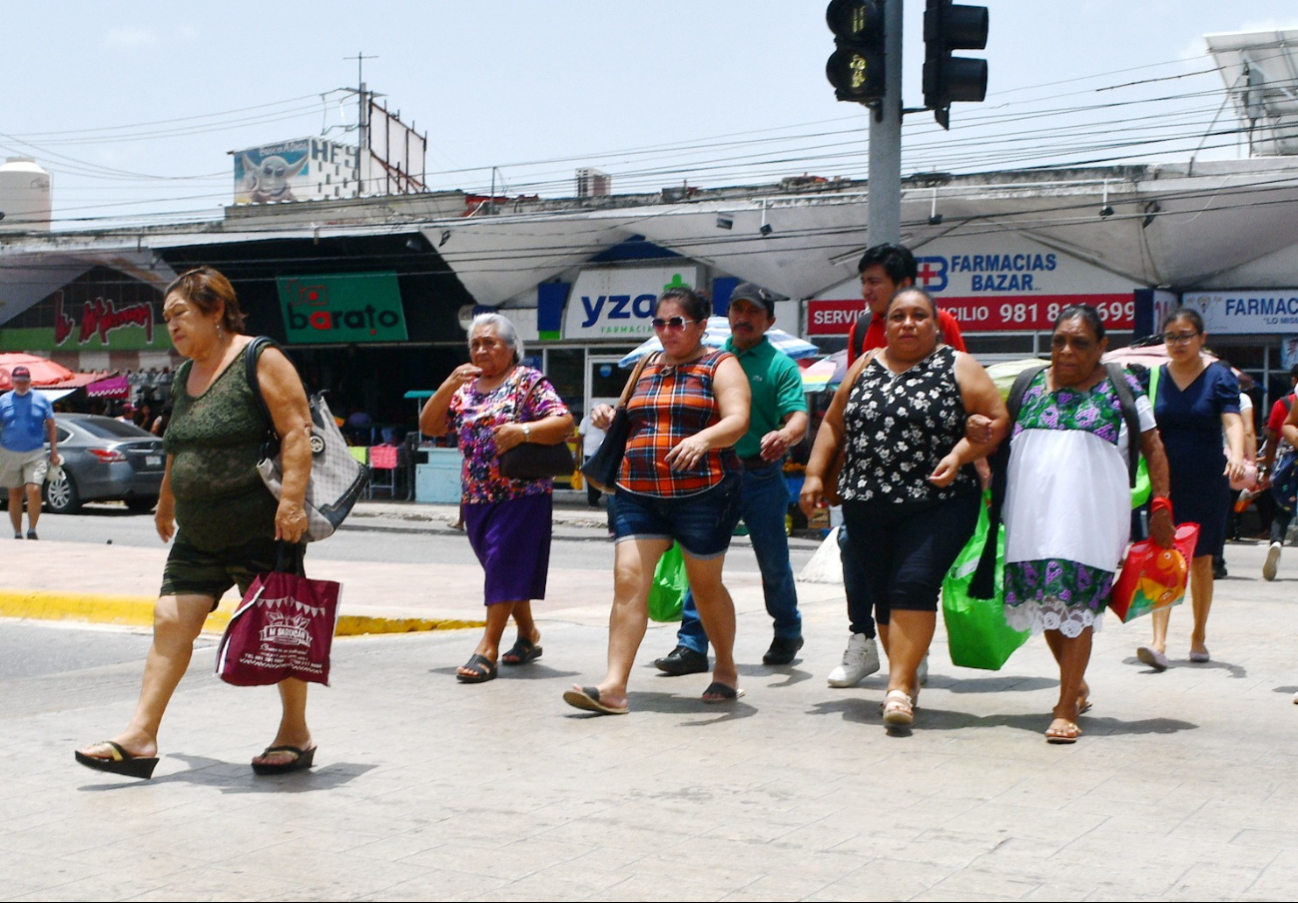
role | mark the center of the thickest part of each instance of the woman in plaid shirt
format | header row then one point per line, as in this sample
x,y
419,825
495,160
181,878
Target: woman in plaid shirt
x,y
679,482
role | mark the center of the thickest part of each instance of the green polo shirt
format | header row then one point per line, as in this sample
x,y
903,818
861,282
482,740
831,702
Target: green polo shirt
x,y
777,391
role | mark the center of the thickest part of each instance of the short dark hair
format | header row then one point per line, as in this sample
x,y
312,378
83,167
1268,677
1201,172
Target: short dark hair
x,y
207,289
896,260
1084,312
1293,372
1184,313
698,307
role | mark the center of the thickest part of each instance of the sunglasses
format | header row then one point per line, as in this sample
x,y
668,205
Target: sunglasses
x,y
674,324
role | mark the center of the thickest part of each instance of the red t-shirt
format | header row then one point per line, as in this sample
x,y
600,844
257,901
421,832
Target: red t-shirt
x,y
1279,413
875,337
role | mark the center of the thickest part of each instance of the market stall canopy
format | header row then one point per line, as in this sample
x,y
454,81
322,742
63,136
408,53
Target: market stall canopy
x,y
44,372
715,337
112,387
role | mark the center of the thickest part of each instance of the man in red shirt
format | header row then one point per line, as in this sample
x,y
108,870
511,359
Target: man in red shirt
x,y
886,270
1274,444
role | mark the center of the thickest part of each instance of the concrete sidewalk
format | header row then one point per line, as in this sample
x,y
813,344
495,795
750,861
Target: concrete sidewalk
x,y
1183,786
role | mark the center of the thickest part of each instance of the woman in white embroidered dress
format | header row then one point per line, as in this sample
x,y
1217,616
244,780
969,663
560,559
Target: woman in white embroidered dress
x,y
1067,507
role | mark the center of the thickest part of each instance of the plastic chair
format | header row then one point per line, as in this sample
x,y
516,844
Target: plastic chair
x,y
383,469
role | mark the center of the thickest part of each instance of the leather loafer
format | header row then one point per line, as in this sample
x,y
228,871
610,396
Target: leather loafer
x,y
682,660
782,650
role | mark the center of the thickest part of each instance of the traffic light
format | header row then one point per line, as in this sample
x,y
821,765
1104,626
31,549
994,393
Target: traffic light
x,y
947,79
856,68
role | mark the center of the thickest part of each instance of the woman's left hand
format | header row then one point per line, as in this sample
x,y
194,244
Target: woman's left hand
x,y
509,435
947,470
290,522
687,454
1234,469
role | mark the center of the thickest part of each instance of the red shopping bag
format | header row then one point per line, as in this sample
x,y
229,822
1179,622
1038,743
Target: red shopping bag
x,y
283,628
1153,577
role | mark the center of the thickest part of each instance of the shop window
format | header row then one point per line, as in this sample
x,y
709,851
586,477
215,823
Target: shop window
x,y
564,367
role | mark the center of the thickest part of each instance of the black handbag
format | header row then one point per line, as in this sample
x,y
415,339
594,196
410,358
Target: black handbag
x,y
601,469
534,461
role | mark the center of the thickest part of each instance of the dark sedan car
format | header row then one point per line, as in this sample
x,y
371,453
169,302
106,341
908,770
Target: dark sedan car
x,y
105,459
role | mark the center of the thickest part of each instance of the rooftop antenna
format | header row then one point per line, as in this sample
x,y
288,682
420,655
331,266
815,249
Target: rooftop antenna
x,y
362,121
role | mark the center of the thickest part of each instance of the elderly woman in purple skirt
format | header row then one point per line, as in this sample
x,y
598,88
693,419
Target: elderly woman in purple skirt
x,y
493,404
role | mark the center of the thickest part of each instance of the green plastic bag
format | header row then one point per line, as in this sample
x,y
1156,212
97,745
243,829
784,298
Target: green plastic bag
x,y
667,595
976,632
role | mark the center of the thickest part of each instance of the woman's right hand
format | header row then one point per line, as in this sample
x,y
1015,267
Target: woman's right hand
x,y
164,517
812,495
601,417
462,374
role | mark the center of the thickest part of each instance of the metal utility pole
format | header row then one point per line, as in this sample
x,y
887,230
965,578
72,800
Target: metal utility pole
x,y
362,122
884,222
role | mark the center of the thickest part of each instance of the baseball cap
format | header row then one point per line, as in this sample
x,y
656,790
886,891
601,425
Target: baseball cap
x,y
20,373
748,291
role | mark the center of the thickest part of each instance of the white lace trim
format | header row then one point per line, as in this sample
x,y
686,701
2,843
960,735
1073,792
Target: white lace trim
x,y
1052,613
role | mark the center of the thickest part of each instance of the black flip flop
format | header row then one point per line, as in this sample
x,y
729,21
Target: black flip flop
x,y
521,653
718,692
587,699
122,762
302,758
483,668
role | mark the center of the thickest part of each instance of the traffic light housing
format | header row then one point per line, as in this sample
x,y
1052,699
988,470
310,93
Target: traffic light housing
x,y
855,69
947,79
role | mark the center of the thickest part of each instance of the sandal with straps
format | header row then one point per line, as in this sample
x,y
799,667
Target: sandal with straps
x,y
898,709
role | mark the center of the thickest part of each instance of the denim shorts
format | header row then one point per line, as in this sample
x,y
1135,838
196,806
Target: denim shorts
x,y
701,523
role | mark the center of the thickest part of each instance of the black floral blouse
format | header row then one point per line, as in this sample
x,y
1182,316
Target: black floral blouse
x,y
898,427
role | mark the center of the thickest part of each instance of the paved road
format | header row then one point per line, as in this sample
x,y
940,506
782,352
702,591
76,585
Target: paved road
x,y
1182,788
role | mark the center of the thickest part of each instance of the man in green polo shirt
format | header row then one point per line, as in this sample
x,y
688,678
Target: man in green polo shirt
x,y
777,422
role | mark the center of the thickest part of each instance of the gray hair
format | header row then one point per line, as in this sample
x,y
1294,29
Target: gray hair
x,y
504,329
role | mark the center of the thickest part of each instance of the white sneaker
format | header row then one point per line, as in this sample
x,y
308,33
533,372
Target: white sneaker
x,y
1272,559
860,660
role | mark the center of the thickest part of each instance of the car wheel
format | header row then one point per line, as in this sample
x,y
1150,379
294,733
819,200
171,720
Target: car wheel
x,y
142,505
61,495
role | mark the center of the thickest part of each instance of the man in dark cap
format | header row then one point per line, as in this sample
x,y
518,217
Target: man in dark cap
x,y
28,420
777,422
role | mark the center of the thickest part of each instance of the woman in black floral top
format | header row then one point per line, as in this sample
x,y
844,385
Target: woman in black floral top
x,y
910,493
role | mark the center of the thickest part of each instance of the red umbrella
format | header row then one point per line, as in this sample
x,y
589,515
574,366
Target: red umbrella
x,y
44,372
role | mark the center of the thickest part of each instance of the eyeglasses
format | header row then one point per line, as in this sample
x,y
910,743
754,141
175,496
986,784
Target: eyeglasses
x,y
674,324
1179,338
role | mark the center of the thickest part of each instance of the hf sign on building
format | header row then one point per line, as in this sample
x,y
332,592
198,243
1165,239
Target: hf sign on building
x,y
993,284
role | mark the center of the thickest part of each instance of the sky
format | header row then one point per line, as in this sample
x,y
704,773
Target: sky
x,y
133,106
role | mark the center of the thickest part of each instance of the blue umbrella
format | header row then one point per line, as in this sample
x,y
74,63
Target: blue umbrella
x,y
719,331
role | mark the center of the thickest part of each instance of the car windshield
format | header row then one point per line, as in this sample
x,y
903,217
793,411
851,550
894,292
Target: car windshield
x,y
106,428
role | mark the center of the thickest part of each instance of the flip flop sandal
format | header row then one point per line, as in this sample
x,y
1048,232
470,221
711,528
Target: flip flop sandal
x,y
1066,734
719,692
121,762
587,699
302,758
483,669
898,709
521,653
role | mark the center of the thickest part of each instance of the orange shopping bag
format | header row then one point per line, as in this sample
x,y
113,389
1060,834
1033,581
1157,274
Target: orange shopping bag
x,y
1153,577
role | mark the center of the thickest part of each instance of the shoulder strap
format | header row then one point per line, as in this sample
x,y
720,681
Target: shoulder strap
x,y
629,388
1127,401
251,353
983,586
1154,372
858,332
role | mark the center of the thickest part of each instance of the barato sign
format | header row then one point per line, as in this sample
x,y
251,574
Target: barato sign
x,y
342,308
618,303
1242,312
999,284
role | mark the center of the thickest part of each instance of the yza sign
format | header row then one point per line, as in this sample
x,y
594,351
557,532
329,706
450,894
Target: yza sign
x,y
619,303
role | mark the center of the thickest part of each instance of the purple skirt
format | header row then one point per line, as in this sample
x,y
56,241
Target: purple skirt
x,y
512,541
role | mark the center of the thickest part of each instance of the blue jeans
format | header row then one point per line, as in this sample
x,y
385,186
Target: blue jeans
x,y
854,587
763,503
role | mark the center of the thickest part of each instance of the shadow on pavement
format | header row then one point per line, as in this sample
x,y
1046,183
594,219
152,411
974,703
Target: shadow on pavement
x,y
1036,722
1236,671
230,778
